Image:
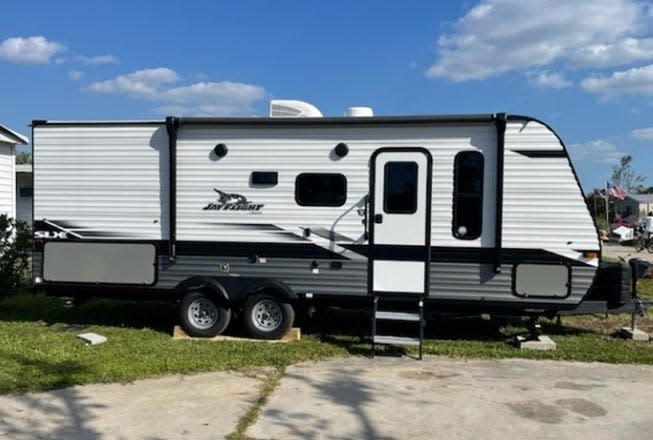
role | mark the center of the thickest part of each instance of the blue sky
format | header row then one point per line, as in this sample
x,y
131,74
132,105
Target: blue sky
x,y
584,67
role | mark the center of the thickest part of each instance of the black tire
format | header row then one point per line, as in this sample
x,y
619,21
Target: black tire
x,y
201,315
267,317
649,247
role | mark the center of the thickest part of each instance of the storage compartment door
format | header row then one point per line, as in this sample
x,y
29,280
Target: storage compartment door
x,y
99,263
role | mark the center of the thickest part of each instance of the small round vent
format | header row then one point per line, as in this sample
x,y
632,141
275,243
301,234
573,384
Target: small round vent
x,y
341,150
220,150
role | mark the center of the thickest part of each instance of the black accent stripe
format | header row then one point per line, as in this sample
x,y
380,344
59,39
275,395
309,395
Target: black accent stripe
x,y
172,126
375,120
500,123
42,225
39,122
248,226
262,249
542,153
311,251
161,245
329,234
401,253
464,255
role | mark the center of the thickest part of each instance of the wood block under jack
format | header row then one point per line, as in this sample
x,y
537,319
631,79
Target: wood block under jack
x,y
635,334
542,343
294,334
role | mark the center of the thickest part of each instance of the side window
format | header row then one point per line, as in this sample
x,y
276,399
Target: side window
x,y
320,189
468,195
400,188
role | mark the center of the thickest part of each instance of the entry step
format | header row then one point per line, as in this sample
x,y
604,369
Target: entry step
x,y
395,340
397,316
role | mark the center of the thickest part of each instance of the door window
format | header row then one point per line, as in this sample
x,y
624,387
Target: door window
x,y
400,189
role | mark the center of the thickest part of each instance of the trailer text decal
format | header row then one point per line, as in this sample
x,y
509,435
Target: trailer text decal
x,y
232,202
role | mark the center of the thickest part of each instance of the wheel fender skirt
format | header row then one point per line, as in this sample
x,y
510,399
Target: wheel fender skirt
x,y
235,289
260,284
201,283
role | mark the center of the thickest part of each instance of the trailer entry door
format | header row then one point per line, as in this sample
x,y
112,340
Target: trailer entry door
x,y
400,220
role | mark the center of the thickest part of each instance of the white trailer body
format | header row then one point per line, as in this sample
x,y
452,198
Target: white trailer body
x,y
475,212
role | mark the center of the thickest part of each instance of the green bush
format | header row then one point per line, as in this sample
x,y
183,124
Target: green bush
x,y
15,250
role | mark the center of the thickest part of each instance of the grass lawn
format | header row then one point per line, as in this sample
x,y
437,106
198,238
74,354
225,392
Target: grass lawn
x,y
39,350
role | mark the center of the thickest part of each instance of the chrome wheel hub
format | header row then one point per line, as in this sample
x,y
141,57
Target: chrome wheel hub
x,y
267,315
202,313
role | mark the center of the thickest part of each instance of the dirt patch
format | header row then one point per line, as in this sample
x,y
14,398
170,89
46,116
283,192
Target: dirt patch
x,y
583,407
538,411
426,375
576,386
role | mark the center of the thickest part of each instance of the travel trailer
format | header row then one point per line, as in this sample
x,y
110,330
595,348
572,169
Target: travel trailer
x,y
255,217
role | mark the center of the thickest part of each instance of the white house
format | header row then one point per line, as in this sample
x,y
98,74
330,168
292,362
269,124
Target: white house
x,y
8,141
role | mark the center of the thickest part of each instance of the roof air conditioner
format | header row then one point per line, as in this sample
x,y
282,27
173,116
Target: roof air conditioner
x,y
359,112
290,108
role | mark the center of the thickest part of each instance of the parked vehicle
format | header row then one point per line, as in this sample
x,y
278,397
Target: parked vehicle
x,y
258,216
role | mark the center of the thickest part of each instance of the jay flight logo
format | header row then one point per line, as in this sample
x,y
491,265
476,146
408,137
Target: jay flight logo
x,y
232,202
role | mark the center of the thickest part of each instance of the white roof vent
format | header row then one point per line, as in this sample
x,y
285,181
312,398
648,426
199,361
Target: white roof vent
x,y
290,108
358,112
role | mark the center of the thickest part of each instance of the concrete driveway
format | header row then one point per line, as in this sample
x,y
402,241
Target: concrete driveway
x,y
203,406
443,398
357,398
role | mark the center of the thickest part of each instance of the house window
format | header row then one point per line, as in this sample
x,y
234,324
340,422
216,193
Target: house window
x,y
400,188
468,195
321,189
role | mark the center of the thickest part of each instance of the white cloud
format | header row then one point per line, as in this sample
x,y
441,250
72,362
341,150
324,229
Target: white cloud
x,y
549,80
34,50
142,83
499,36
203,97
75,75
96,60
597,151
635,81
619,53
643,133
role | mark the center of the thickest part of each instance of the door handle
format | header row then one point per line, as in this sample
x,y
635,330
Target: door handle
x,y
378,218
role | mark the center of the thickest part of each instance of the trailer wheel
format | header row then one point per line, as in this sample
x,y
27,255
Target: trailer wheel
x,y
202,316
267,317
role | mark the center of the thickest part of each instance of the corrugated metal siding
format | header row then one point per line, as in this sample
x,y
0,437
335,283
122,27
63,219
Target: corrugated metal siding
x,y
449,281
543,206
106,179
474,282
351,279
297,150
7,183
